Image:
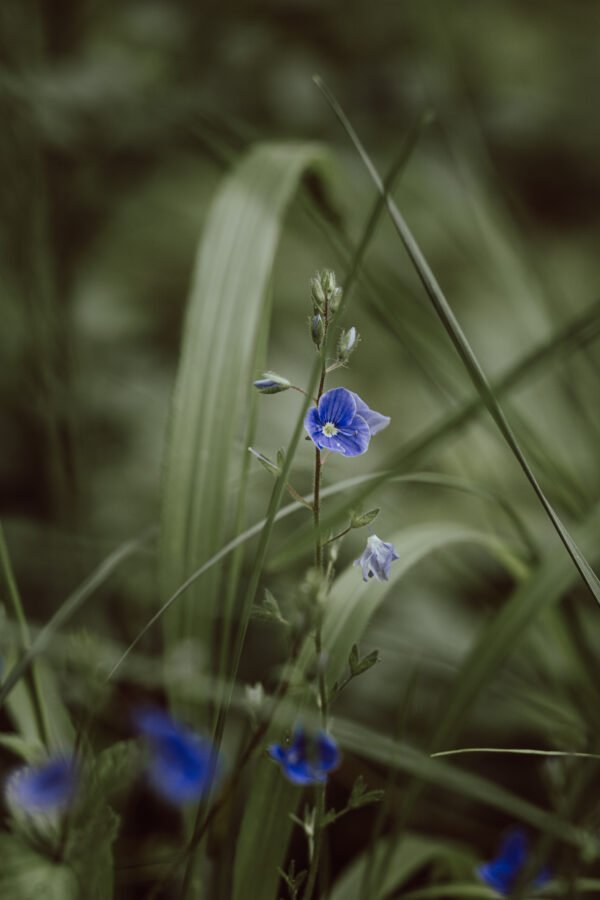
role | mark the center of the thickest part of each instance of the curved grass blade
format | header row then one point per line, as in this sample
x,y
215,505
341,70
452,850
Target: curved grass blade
x,y
410,854
227,315
464,349
519,751
300,543
554,577
349,606
68,609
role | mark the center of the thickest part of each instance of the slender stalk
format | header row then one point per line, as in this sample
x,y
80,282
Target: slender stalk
x,y
320,790
16,605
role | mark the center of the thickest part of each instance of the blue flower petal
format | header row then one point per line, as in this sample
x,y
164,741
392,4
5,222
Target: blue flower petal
x,y
182,764
337,406
43,788
306,760
376,559
503,871
514,848
376,421
328,751
348,441
496,876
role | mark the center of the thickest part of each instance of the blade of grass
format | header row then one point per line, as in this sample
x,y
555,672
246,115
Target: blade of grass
x,y
33,683
348,608
226,320
463,348
68,609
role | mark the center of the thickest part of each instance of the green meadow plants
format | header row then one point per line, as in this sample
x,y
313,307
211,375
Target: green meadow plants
x,y
305,708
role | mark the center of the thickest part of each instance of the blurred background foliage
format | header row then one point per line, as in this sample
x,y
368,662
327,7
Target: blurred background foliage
x,y
118,122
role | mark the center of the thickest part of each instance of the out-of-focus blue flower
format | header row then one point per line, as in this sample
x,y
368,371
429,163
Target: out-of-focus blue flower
x,y
42,788
182,764
502,873
308,759
376,559
343,423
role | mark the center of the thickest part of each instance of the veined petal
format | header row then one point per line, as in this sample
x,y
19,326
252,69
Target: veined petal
x,y
338,406
376,421
353,440
313,426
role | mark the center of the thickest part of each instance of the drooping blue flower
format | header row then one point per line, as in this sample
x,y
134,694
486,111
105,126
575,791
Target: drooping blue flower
x,y
44,788
182,764
376,559
502,873
308,759
343,423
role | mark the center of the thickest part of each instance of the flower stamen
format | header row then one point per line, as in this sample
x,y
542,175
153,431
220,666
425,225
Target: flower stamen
x,y
329,429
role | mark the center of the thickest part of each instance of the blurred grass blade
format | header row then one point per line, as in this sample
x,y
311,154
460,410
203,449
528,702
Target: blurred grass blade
x,y
227,316
386,751
464,349
408,855
68,609
301,541
349,607
553,578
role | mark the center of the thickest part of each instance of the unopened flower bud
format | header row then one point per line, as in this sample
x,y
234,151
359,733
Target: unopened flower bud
x,y
272,383
335,300
359,520
328,282
347,343
317,330
317,294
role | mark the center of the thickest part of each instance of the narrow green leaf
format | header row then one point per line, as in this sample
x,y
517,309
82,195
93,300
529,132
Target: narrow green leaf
x,y
349,607
464,350
228,310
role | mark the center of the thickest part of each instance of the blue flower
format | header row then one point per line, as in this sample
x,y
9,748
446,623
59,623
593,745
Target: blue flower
x,y
376,559
502,873
307,760
42,788
343,423
182,764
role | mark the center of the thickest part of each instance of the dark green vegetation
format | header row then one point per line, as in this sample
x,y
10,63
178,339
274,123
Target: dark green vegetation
x,y
135,135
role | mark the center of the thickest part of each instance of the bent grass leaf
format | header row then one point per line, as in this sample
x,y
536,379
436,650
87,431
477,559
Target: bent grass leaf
x,y
410,854
348,609
25,874
464,350
227,317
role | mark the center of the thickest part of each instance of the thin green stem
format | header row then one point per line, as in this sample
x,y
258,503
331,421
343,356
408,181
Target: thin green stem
x,y
337,536
321,788
16,606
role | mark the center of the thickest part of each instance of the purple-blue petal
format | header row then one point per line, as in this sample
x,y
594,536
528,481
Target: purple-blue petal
x,y
338,406
43,788
497,876
350,441
182,764
376,421
328,752
514,848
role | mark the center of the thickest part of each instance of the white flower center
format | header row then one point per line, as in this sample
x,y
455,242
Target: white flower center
x,y
329,429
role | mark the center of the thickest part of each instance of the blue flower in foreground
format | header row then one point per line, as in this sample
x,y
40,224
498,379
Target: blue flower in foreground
x,y
343,423
376,559
182,765
42,788
307,760
502,873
